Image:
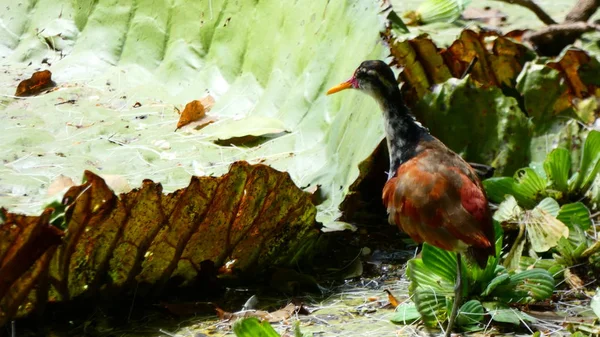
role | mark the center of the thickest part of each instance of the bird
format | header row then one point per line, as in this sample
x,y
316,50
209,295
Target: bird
x,y
432,193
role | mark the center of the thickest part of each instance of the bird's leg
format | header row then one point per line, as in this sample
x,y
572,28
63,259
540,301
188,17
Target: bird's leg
x,y
457,296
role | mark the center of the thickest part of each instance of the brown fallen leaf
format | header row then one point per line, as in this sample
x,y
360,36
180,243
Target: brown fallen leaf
x,y
195,111
393,301
39,81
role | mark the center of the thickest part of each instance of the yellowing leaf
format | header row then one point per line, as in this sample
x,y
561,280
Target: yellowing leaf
x,y
544,230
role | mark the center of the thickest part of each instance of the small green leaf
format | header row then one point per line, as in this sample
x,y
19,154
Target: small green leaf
x,y
440,262
470,313
406,313
595,303
575,215
430,11
569,252
498,188
530,184
526,186
504,314
540,87
498,280
252,327
431,306
557,166
590,161
527,286
423,277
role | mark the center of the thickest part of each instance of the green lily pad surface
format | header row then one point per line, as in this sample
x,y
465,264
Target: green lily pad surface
x,y
122,67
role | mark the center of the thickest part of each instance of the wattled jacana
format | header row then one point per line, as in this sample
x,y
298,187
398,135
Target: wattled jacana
x,y
432,194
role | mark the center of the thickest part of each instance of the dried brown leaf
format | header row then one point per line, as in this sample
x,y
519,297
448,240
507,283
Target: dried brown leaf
x,y
39,81
393,301
195,111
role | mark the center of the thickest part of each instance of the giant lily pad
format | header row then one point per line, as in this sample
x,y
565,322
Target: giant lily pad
x,y
121,69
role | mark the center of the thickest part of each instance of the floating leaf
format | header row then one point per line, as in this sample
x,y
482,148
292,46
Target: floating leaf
x,y
575,215
504,314
501,279
526,286
470,313
431,306
406,313
393,300
527,187
508,210
423,277
39,81
163,54
252,327
245,131
544,230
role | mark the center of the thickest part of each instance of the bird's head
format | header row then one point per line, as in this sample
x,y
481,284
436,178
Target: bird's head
x,y
372,77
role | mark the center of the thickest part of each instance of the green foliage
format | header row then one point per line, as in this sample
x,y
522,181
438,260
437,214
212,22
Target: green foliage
x,y
406,313
530,185
252,327
549,226
432,280
524,287
470,314
541,88
557,166
590,162
502,313
458,112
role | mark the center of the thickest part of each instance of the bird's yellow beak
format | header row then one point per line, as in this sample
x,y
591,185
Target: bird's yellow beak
x,y
340,87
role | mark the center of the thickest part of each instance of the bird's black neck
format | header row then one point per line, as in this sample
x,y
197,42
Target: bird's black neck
x,y
402,131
